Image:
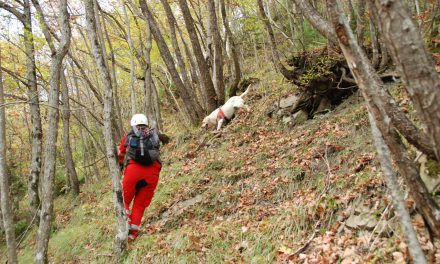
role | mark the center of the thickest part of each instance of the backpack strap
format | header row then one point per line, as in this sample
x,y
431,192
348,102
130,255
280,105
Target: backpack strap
x,y
127,146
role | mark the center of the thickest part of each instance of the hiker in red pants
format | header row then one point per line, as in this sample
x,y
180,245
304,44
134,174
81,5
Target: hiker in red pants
x,y
139,154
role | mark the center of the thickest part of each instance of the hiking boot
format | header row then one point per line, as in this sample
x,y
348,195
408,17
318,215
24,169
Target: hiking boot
x,y
133,233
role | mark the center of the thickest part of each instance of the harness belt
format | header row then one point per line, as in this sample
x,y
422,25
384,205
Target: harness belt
x,y
221,114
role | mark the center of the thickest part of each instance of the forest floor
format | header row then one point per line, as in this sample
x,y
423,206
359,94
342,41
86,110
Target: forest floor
x,y
258,192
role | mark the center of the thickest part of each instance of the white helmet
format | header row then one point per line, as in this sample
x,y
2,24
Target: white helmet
x,y
139,119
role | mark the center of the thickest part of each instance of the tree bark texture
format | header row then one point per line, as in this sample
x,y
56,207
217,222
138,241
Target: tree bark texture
x,y
406,46
100,26
396,194
172,24
117,126
209,94
72,176
372,89
117,120
234,53
198,22
289,75
374,44
319,23
132,65
34,109
191,108
47,181
5,201
149,109
84,139
217,68
120,242
156,106
299,31
360,22
194,71
91,86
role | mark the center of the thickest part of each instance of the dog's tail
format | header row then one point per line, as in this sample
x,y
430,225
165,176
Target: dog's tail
x,y
247,91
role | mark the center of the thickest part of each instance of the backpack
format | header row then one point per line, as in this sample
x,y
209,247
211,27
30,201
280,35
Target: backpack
x,y
142,150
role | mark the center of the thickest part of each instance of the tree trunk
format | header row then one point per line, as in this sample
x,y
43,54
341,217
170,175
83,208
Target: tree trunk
x,y
331,47
292,25
384,59
407,48
148,81
200,27
172,24
51,139
289,75
48,36
208,86
372,89
168,90
299,22
93,88
65,114
5,201
132,65
99,33
351,16
120,242
369,83
156,106
191,108
93,144
33,99
396,194
317,21
234,53
195,73
374,44
219,84
398,118
86,159
34,109
360,23
117,130
209,49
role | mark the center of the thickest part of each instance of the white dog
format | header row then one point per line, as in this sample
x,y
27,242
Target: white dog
x,y
226,111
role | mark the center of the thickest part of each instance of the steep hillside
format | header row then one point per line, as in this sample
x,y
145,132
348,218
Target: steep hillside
x,y
258,192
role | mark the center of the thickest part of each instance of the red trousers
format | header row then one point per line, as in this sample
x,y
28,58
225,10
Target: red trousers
x,y
134,188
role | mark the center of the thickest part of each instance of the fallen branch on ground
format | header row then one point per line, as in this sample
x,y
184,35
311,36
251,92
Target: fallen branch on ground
x,y
306,245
